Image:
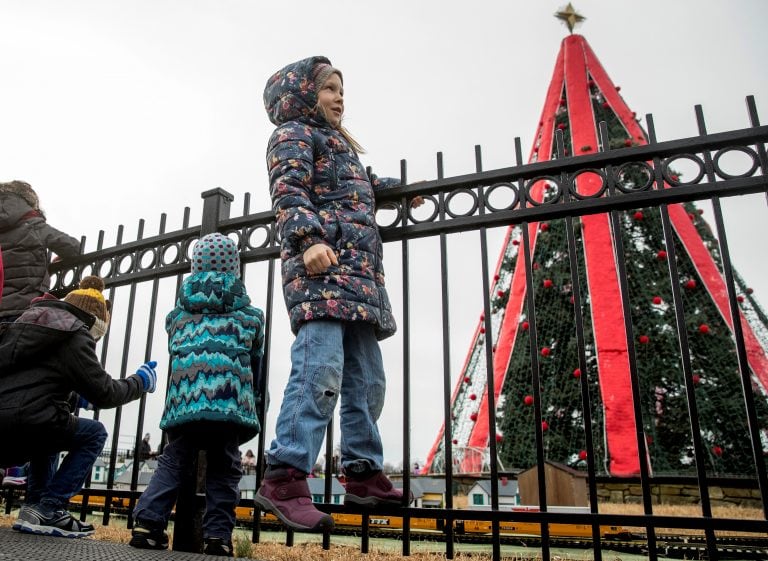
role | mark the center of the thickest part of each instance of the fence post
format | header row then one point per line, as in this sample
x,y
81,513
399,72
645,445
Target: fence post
x,y
190,504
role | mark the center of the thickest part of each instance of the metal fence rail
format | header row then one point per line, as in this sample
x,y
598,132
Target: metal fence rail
x,y
473,202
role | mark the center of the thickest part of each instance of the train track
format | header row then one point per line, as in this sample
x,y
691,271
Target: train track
x,y
672,547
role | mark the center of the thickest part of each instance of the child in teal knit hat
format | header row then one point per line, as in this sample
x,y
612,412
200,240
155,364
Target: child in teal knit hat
x,y
216,341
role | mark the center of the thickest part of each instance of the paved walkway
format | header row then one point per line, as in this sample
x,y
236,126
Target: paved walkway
x,y
16,546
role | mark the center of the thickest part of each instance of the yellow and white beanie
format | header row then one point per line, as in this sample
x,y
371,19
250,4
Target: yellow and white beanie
x,y
89,298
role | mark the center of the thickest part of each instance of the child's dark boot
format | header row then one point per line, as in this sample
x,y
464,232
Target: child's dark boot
x,y
148,535
371,488
285,493
218,546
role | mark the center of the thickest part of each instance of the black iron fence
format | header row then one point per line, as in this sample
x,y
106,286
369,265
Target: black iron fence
x,y
143,276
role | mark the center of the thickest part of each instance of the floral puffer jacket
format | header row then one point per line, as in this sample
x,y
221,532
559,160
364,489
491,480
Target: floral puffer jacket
x,y
322,194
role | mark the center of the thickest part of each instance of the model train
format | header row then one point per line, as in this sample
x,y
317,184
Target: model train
x,y
382,524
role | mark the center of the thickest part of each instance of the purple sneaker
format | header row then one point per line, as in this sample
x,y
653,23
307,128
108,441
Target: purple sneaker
x,y
285,493
373,491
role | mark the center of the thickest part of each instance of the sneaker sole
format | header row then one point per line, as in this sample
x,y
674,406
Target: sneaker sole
x,y
143,543
325,523
29,528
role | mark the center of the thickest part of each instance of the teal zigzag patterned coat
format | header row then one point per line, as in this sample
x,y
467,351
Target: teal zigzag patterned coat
x,y
215,339
321,193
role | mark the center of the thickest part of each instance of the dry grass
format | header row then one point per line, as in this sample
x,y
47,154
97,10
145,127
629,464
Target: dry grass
x,y
685,510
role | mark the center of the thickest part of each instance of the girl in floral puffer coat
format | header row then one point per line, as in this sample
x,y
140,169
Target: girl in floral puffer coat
x,y
333,284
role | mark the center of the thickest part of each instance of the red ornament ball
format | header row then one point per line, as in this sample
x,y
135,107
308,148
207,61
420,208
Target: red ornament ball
x,y
577,373
455,441
544,425
749,291
546,351
700,211
500,293
661,255
739,298
473,416
472,396
704,328
618,88
482,317
544,226
644,339
717,451
561,126
467,380
547,283
496,277
528,400
628,142
482,330
691,216
525,325
582,454
690,284
535,267
606,105
638,215
515,242
696,378
499,438
657,300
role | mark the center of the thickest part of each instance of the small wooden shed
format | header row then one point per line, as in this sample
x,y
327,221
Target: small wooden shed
x,y
565,486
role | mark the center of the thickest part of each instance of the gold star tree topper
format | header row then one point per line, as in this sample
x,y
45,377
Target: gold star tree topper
x,y
570,17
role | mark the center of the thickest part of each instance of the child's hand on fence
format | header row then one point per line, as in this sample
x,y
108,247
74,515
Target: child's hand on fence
x,y
148,376
318,258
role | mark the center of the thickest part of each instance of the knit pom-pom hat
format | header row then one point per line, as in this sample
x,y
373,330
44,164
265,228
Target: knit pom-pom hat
x,y
89,298
216,252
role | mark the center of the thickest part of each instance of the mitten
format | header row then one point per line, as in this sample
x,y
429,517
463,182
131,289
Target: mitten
x,y
83,403
148,375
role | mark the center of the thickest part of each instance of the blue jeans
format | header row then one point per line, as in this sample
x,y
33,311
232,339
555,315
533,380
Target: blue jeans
x,y
329,358
52,488
174,467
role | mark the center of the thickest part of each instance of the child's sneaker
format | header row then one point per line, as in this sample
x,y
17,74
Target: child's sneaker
x,y
148,536
374,490
285,493
34,520
217,546
15,476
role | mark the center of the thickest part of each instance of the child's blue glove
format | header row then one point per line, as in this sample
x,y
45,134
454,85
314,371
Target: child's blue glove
x,y
83,403
148,375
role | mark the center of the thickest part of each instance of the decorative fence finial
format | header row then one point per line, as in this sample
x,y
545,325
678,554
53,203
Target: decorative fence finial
x,y
570,17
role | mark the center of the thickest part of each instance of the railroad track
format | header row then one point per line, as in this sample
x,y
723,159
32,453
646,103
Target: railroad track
x,y
673,547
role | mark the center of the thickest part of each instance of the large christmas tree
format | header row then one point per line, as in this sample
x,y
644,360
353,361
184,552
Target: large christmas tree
x,y
580,96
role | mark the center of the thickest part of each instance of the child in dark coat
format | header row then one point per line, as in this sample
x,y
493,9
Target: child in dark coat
x,y
26,239
49,366
215,338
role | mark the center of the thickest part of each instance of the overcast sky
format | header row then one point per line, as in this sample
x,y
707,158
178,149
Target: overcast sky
x,y
120,110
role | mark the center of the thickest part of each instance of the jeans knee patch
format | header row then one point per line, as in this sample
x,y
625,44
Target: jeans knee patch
x,y
325,387
375,400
